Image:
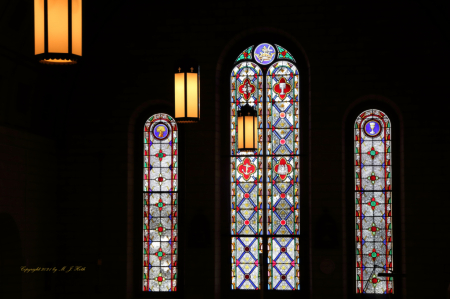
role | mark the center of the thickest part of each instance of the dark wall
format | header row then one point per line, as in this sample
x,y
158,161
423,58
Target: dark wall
x,y
67,145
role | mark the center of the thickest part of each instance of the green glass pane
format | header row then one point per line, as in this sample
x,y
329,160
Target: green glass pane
x,y
246,55
284,54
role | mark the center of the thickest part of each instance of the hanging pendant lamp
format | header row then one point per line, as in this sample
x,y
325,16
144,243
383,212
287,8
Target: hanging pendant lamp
x,y
187,91
247,129
58,31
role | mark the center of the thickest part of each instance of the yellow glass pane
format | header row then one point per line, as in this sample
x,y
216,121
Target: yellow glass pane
x,y
192,95
240,132
179,95
39,37
249,129
58,26
76,27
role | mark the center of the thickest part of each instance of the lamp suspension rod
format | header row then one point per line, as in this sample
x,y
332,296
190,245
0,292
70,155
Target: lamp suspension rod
x,y
45,27
70,27
185,93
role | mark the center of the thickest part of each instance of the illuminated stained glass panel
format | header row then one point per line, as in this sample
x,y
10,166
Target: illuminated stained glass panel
x,y
246,55
284,54
160,204
265,183
246,253
246,181
283,223
373,198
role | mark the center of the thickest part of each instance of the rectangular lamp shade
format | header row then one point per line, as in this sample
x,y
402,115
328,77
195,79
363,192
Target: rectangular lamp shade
x,y
58,27
186,95
247,133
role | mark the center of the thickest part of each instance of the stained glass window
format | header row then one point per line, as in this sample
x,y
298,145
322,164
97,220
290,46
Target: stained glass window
x,y
265,183
373,198
160,204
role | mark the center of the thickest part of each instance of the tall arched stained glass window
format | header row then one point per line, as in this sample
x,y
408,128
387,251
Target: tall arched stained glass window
x,y
160,204
373,198
265,182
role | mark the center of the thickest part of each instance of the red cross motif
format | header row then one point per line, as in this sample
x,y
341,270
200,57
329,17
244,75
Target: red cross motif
x,y
247,89
160,155
159,254
372,153
246,168
283,168
282,88
160,204
374,254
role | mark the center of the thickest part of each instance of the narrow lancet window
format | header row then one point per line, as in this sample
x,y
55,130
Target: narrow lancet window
x,y
283,219
373,198
160,204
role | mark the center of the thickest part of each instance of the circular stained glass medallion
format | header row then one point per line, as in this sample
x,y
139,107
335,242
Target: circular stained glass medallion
x,y
372,127
160,131
264,53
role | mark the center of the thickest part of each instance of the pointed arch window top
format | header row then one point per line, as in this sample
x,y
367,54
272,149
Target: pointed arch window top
x,y
265,54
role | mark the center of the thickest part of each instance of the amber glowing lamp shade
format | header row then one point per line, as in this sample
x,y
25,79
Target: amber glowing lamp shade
x,y
187,91
247,129
58,31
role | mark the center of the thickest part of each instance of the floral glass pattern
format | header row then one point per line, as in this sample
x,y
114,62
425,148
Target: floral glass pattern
x,y
373,198
160,204
265,183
